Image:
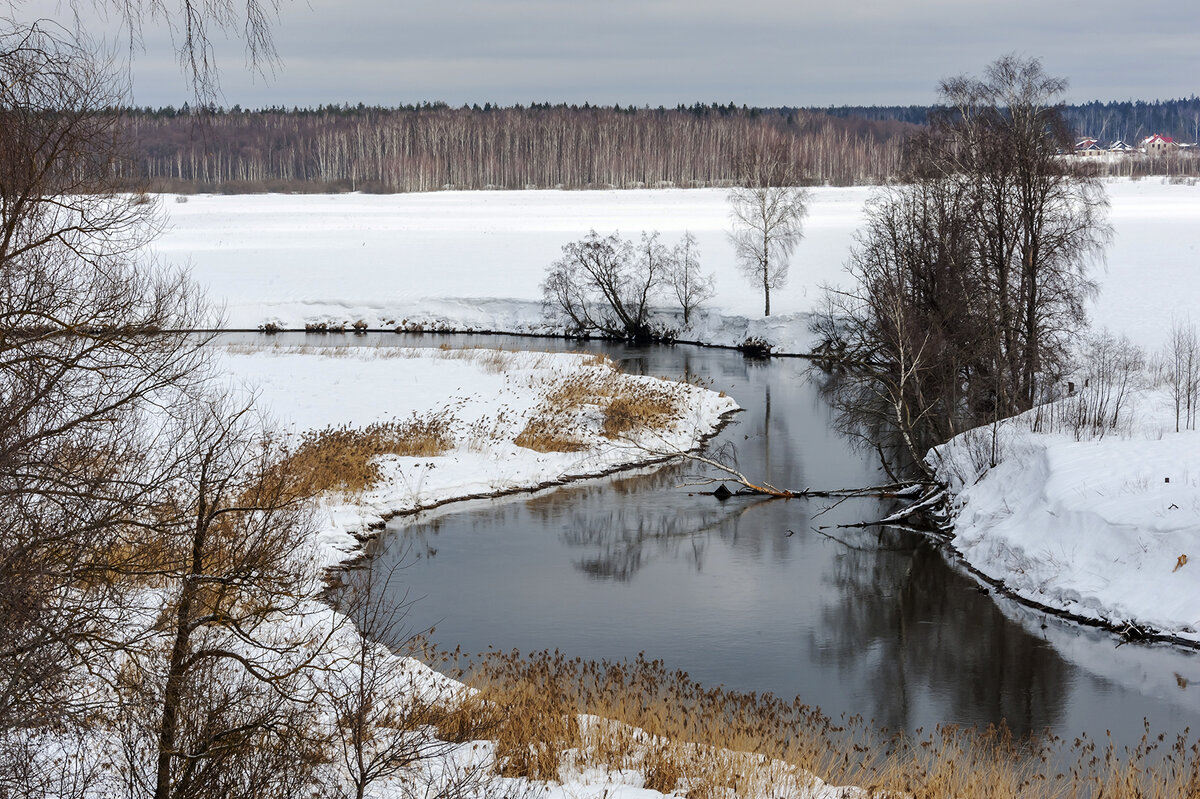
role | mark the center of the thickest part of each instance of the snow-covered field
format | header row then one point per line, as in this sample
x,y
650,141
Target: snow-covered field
x,y
475,260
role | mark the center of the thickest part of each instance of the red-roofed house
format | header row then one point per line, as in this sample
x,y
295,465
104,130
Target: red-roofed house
x,y
1158,145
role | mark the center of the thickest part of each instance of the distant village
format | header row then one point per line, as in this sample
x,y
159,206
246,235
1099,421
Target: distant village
x,y
1154,146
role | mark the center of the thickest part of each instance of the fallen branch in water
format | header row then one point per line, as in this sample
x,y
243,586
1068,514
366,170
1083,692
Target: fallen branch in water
x,y
749,488
928,510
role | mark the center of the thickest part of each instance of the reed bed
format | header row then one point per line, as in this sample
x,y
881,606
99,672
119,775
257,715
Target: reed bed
x,y
569,409
343,459
551,716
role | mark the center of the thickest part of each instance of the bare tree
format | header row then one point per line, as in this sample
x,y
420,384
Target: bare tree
x,y
692,288
1179,371
1040,222
193,24
768,209
605,284
221,687
81,380
985,251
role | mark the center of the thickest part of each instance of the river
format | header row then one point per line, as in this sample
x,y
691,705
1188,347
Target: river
x,y
748,593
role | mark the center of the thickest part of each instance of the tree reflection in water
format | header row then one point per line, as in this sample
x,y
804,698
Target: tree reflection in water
x,y
913,629
877,624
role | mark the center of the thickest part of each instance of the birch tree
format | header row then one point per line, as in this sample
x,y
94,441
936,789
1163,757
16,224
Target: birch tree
x,y
768,210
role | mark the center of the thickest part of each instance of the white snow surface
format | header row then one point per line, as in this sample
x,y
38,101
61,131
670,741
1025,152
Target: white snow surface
x,y
1107,529
475,260
488,395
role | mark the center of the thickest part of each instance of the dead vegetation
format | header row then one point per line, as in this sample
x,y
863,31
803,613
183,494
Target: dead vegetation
x,y
552,716
344,459
622,406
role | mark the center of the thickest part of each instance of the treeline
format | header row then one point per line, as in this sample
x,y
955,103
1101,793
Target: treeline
x,y
1129,120
432,146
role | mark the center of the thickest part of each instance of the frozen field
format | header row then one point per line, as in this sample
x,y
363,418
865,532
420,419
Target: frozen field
x,y
475,260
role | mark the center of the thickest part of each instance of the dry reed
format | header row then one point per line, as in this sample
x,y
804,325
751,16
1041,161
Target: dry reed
x,y
625,407
552,715
343,459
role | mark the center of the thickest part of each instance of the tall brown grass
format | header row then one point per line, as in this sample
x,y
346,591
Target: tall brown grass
x,y
343,459
561,420
550,715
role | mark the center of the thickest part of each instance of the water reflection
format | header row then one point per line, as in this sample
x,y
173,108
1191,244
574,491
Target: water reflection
x,y
869,623
897,611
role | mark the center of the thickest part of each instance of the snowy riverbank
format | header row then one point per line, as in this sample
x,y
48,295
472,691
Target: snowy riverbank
x,y
488,396
1106,529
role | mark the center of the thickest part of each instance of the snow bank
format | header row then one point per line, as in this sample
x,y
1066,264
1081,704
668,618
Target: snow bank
x,y
489,394
1105,529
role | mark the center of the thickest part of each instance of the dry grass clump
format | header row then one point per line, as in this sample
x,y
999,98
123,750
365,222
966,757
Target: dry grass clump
x,y
642,407
551,715
561,422
549,433
342,459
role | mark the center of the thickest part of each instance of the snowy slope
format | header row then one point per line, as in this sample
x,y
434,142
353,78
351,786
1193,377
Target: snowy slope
x,y
1107,529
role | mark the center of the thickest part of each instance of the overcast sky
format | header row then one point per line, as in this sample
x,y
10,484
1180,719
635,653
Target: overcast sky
x,y
666,52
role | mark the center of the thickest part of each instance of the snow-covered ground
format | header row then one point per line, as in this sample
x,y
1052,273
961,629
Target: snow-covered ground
x,y
475,260
1105,528
488,394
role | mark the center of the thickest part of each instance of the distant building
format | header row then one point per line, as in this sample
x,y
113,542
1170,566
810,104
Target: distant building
x,y
1120,147
1158,145
1088,146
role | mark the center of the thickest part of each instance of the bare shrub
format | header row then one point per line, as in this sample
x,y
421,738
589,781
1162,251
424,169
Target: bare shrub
x,y
1109,372
604,285
1178,369
392,718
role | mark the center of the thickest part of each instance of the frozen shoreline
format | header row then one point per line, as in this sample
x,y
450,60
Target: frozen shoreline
x,y
1104,530
474,261
489,395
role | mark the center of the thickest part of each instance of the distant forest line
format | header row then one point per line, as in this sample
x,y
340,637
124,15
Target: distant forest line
x,y
1129,121
432,146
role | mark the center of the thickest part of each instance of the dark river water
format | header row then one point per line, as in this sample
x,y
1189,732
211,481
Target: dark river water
x,y
750,595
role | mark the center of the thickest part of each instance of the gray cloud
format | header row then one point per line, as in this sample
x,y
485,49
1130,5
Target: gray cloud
x,y
758,52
